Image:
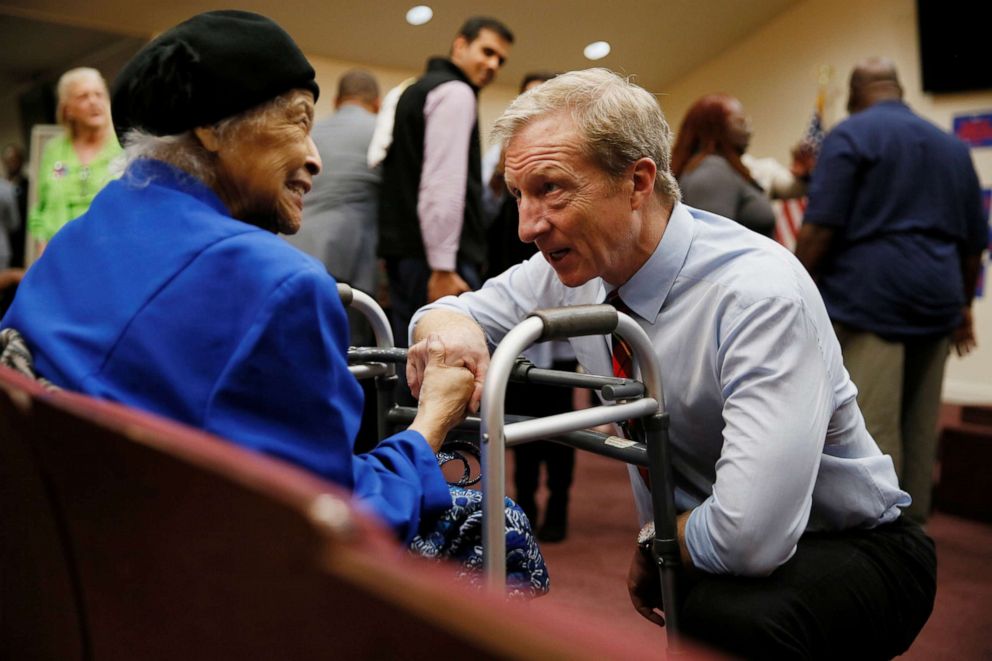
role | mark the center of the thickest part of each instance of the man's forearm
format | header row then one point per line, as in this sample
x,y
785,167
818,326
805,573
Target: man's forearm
x,y
812,245
442,322
971,265
684,555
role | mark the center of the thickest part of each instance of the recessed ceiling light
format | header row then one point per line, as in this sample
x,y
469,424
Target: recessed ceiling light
x,y
419,15
597,50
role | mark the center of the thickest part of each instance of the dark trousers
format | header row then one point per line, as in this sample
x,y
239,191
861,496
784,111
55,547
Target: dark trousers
x,y
855,594
559,460
408,278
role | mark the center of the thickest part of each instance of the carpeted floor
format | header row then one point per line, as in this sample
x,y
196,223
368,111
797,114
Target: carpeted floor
x,y
588,570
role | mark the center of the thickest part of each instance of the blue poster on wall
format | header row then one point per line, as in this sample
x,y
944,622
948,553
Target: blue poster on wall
x,y
976,130
987,206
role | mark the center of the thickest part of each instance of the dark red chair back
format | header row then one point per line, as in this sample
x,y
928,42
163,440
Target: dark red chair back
x,y
133,537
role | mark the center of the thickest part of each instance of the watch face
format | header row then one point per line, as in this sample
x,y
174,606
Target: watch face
x,y
646,535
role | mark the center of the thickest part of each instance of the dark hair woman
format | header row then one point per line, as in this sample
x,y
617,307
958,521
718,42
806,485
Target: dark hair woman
x,y
706,160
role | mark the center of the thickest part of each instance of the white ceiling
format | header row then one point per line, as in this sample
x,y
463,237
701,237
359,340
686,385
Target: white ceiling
x,y
657,40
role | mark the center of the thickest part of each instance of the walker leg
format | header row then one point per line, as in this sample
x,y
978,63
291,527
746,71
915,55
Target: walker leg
x,y
666,543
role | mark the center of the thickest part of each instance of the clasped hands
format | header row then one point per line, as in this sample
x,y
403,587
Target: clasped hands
x,y
445,370
464,346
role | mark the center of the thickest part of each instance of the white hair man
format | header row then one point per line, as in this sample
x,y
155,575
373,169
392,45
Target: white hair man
x,y
781,483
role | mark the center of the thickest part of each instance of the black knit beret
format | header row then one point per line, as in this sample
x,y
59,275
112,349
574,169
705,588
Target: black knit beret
x,y
213,66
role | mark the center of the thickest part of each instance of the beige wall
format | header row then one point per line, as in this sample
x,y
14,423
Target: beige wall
x,y
492,101
774,73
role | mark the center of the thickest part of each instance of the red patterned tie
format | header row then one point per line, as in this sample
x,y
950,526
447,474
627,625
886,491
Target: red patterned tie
x,y
623,367
623,357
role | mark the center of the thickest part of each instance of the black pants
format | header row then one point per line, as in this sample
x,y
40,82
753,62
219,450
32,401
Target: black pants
x,y
856,594
408,278
559,460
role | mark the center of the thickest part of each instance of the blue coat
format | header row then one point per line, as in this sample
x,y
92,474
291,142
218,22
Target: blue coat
x,y
158,299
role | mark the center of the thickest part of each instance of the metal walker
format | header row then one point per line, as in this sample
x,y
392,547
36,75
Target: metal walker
x,y
641,399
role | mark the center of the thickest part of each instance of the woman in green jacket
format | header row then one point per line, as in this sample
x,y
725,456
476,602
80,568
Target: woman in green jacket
x,y
77,164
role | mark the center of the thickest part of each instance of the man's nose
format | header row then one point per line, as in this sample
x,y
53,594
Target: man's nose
x,y
532,224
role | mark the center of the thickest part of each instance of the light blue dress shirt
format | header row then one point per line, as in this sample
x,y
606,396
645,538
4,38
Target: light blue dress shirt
x,y
767,435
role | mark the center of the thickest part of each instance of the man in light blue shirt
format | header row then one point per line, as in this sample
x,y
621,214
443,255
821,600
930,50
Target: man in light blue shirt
x,y
790,528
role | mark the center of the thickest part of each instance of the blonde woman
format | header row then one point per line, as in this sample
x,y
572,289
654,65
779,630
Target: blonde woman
x,y
75,165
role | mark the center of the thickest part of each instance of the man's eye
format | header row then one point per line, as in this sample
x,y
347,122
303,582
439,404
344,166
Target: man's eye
x,y
515,192
550,187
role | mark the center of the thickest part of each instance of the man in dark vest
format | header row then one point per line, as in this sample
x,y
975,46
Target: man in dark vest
x,y
431,229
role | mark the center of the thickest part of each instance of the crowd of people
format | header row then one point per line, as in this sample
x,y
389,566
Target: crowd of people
x,y
805,388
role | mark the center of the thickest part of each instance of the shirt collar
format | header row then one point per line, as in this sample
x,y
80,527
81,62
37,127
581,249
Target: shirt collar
x,y
351,109
891,103
444,64
645,293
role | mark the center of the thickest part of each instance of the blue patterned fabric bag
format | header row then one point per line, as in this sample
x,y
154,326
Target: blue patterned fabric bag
x,y
457,536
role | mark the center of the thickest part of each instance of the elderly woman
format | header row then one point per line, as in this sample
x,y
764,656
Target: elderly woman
x,y
173,293
706,160
75,165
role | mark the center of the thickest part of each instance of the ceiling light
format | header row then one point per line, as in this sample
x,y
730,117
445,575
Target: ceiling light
x,y
597,50
419,15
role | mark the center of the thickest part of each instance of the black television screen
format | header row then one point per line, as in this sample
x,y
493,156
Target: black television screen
x,y
954,45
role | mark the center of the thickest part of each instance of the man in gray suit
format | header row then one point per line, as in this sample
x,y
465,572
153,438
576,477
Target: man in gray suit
x,y
339,216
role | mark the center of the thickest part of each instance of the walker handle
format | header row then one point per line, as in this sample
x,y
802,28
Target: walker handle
x,y
577,320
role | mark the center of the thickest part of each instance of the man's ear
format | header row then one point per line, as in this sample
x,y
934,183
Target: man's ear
x,y
459,45
643,172
208,138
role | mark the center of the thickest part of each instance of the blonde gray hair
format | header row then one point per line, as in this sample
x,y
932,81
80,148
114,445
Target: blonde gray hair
x,y
64,87
186,152
620,122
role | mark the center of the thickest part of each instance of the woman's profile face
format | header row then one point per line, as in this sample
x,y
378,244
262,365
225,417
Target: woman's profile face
x,y
87,106
738,126
265,169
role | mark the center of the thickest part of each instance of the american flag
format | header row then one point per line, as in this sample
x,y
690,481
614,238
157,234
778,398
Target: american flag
x,y
788,218
789,213
814,131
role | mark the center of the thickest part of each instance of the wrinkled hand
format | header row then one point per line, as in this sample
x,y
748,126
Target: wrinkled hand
x,y
963,337
644,586
444,394
464,346
445,283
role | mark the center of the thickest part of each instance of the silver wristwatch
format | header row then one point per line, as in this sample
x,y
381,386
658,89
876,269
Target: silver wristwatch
x,y
646,536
